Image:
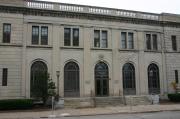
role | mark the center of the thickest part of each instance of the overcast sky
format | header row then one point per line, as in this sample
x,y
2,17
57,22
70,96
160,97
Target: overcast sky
x,y
154,6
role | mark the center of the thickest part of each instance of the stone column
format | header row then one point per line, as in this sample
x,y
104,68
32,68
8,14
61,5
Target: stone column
x,y
116,74
143,81
55,40
88,81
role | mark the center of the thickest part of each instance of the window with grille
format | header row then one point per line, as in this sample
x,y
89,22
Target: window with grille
x,y
127,40
44,35
176,76
39,35
151,42
174,44
35,35
153,79
4,76
100,38
6,33
129,85
71,37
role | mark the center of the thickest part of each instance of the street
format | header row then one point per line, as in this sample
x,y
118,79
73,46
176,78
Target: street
x,y
155,115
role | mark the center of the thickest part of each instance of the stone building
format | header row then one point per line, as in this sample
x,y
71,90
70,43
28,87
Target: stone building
x,y
99,52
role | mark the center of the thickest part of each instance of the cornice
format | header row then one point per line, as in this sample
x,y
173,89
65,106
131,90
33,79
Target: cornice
x,y
67,14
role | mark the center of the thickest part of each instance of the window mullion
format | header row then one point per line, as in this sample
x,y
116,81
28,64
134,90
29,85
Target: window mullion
x,y
152,45
39,41
71,37
100,38
127,40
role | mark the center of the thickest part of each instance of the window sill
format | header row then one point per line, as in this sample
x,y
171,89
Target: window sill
x,y
129,50
157,51
172,51
71,47
39,46
108,49
11,44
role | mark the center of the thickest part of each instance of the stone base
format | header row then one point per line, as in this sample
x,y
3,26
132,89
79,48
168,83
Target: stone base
x,y
90,102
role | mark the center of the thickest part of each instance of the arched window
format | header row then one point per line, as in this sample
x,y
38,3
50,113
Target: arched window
x,y
153,79
39,79
129,83
101,79
71,80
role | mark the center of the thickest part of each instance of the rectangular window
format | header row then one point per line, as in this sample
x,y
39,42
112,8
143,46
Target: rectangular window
x,y
75,37
104,39
154,37
96,38
6,33
130,41
4,76
35,35
67,37
174,44
123,40
148,41
176,76
44,35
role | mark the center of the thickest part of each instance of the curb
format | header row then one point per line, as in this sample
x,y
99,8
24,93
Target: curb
x,y
114,113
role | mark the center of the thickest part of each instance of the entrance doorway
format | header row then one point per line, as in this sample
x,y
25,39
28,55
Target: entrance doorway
x,y
71,80
101,80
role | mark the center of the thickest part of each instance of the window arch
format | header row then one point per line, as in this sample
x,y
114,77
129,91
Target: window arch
x,y
39,79
101,79
129,83
71,80
153,79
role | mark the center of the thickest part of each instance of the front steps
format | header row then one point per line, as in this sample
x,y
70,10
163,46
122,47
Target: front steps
x,y
78,102
106,101
138,100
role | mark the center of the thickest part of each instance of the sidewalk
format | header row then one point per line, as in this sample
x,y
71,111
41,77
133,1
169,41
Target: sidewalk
x,y
90,111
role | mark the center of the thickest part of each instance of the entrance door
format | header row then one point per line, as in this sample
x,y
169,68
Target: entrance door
x,y
153,79
101,79
39,79
71,80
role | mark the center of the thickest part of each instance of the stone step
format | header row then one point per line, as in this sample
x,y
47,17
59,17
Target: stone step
x,y
105,101
78,102
137,100
108,101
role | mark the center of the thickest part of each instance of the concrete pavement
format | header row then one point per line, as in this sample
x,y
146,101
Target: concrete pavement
x,y
89,111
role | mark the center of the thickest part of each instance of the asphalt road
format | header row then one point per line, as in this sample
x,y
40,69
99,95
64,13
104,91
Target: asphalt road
x,y
155,115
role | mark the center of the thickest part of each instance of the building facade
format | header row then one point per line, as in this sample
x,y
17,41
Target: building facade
x,y
99,52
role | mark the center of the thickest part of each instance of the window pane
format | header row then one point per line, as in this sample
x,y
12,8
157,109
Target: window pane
x,y
123,40
75,37
44,35
176,76
35,35
4,76
96,38
67,36
130,40
174,45
155,47
104,39
148,41
6,33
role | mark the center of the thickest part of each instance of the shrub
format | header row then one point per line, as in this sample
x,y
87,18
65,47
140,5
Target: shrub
x,y
174,97
16,104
